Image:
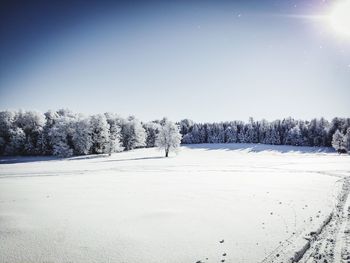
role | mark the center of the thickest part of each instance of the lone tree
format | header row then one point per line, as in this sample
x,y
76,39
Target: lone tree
x,y
169,137
338,142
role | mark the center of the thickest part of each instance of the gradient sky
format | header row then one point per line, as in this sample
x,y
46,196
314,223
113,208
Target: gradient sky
x,y
204,60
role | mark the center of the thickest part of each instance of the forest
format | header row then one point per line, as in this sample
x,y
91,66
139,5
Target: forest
x,y
65,133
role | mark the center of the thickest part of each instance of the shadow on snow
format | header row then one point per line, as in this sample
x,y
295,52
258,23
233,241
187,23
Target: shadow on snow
x,y
247,147
253,147
135,159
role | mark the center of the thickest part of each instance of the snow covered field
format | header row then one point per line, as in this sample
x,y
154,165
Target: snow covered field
x,y
140,207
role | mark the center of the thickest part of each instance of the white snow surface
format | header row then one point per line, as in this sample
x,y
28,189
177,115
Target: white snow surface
x,y
138,206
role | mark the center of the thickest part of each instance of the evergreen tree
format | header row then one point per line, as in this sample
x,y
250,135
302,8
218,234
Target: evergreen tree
x,y
231,134
294,137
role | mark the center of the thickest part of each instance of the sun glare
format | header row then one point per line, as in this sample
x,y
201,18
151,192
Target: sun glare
x,y
340,17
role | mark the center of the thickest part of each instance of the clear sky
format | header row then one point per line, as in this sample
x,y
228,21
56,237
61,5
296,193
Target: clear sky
x,y
203,60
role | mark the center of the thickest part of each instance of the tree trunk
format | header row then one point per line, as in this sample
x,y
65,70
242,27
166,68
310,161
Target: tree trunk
x,y
166,153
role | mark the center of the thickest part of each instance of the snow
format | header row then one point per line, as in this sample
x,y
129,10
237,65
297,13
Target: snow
x,y
137,206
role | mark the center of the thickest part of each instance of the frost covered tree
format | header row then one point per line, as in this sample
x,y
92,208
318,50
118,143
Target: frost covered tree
x,y
185,126
6,124
294,137
187,139
285,126
216,133
251,135
82,136
152,129
338,142
100,134
195,136
2,145
45,139
64,133
133,134
263,128
231,134
317,132
347,140
272,136
114,144
252,131
17,142
61,134
61,128
62,149
32,123
241,136
169,137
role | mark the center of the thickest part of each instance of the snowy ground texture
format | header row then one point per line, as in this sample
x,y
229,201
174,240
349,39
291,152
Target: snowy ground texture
x,y
210,203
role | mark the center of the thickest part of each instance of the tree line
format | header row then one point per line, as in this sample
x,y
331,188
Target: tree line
x,y
289,131
65,133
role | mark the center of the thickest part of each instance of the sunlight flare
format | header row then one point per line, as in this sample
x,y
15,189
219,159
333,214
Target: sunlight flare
x,y
339,18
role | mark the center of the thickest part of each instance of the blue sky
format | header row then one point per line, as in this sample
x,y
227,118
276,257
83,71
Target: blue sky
x,y
204,60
